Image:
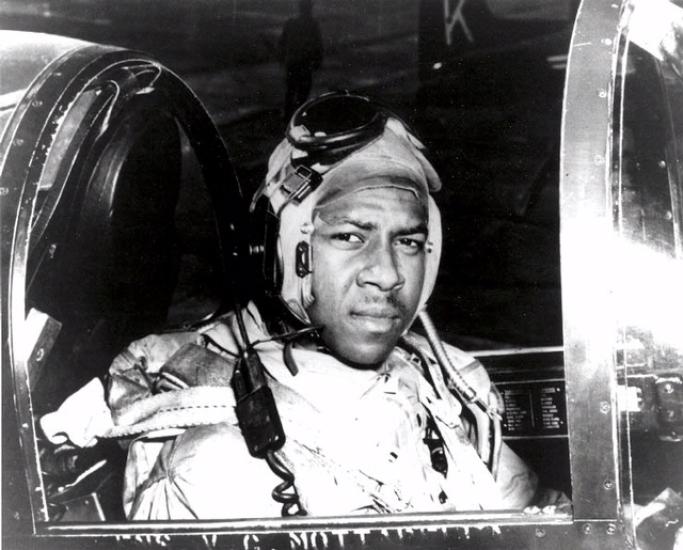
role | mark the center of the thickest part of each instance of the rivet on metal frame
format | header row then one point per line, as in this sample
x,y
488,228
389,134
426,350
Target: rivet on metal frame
x,y
604,407
586,529
608,484
611,529
540,532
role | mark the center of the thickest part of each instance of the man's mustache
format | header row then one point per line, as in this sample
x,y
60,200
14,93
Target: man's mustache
x,y
389,302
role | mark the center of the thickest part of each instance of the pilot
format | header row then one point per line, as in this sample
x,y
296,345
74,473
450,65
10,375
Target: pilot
x,y
321,401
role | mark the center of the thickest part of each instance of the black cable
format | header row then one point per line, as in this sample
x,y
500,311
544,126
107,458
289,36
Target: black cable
x,y
210,341
289,336
285,492
242,329
290,362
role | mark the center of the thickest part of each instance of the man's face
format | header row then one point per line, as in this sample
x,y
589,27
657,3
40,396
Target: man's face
x,y
368,269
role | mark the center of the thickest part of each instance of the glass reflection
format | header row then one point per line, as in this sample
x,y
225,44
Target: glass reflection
x,y
647,271
647,190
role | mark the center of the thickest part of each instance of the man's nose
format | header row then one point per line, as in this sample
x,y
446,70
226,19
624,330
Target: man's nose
x,y
381,268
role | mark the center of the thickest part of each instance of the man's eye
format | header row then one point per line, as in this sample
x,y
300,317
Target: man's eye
x,y
411,245
350,238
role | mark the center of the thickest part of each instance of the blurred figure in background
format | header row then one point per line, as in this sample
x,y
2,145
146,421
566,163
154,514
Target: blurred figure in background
x,y
301,52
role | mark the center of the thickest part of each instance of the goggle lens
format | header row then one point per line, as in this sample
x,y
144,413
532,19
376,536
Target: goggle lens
x,y
336,122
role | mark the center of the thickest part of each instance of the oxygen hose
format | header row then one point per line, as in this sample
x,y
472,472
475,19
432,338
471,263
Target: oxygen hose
x,y
470,396
466,391
434,380
497,440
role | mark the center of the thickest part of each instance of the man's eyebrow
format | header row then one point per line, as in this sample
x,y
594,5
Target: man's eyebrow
x,y
419,228
367,226
340,220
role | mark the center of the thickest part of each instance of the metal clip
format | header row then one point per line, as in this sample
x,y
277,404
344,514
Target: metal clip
x,y
308,180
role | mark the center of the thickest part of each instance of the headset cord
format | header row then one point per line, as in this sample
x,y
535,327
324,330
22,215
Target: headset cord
x,y
259,419
285,492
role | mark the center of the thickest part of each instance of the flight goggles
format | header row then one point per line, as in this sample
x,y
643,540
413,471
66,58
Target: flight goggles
x,y
336,123
323,132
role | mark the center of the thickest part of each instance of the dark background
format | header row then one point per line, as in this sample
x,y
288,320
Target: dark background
x,y
488,108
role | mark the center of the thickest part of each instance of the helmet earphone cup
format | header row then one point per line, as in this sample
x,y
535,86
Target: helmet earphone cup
x,y
263,248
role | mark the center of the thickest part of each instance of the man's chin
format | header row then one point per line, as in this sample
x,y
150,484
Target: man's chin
x,y
363,355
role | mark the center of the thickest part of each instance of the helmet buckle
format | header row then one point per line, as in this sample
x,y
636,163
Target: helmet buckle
x,y
301,182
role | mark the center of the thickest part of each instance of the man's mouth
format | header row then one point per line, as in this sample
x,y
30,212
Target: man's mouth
x,y
376,319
